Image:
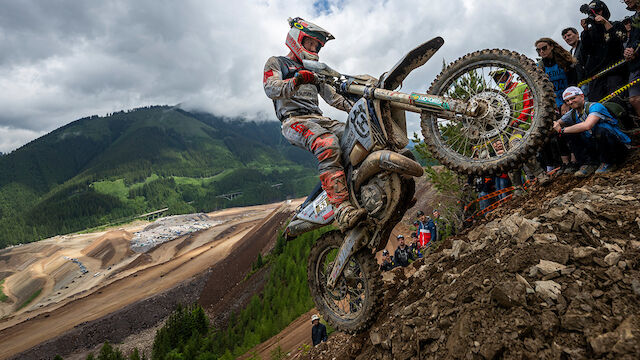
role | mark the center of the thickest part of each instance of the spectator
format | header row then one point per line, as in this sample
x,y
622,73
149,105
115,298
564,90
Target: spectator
x,y
422,229
602,46
631,53
572,38
484,186
592,133
502,182
318,331
440,224
415,248
403,253
559,66
387,261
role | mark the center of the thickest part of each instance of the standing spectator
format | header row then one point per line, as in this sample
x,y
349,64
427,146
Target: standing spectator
x,y
631,53
422,230
484,185
387,261
559,66
440,224
593,134
403,254
572,38
602,46
415,248
502,182
318,331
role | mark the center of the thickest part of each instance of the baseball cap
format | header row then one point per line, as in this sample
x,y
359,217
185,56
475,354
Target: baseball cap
x,y
571,91
385,252
420,213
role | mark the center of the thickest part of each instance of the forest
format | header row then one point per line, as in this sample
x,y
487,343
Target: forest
x,y
107,170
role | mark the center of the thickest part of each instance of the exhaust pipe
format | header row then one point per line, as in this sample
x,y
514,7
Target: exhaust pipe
x,y
386,160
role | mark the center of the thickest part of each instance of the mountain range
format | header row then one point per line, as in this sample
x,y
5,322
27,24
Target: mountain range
x,y
99,170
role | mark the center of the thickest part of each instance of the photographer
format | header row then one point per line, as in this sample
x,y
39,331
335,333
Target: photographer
x,y
630,53
602,46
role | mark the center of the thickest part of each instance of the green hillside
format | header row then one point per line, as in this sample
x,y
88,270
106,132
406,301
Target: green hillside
x,y
99,170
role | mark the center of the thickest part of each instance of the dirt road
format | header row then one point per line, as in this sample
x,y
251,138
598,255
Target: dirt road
x,y
24,331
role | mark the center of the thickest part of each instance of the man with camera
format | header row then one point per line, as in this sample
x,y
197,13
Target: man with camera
x,y
602,46
630,53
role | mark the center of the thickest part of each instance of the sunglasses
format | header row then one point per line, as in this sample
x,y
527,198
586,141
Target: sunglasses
x,y
542,48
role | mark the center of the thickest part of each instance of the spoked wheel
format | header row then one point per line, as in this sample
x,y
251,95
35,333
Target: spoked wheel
x,y
518,107
355,300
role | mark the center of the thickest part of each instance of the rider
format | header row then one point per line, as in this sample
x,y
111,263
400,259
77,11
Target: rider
x,y
294,92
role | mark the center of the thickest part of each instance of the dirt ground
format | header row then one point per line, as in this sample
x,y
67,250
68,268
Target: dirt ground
x,y
66,302
552,275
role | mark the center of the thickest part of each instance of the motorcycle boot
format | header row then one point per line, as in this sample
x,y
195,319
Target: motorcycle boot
x,y
335,184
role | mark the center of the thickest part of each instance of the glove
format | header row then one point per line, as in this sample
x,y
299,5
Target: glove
x,y
304,77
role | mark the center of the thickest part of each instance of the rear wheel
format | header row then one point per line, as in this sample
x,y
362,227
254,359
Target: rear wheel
x,y
353,303
519,102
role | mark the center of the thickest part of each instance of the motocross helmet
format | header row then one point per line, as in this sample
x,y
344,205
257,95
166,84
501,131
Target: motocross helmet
x,y
502,77
300,29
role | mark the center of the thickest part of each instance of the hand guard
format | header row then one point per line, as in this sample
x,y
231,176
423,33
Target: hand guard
x,y
304,77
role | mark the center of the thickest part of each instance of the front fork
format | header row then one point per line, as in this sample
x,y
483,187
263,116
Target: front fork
x,y
355,240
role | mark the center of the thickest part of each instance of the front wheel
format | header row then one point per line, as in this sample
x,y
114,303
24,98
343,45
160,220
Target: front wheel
x,y
519,105
355,300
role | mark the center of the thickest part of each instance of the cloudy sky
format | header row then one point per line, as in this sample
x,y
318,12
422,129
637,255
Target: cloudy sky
x,y
63,60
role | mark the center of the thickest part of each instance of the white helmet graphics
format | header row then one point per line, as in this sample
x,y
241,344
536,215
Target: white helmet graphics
x,y
300,29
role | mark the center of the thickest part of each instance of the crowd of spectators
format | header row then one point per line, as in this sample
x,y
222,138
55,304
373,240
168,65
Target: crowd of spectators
x,y
429,229
588,134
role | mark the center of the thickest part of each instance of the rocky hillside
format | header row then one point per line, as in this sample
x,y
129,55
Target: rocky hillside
x,y
553,275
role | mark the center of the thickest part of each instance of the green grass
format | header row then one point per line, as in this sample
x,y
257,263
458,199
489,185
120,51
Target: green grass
x,y
3,296
115,188
30,299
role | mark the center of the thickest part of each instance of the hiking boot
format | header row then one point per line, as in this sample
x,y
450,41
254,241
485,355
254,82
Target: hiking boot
x,y
566,169
585,170
348,215
605,168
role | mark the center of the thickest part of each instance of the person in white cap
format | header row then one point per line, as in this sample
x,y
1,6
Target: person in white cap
x,y
592,133
318,331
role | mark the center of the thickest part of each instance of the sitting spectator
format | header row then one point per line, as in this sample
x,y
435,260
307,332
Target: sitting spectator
x,y
387,261
592,133
559,66
415,247
403,253
423,230
318,331
631,54
601,47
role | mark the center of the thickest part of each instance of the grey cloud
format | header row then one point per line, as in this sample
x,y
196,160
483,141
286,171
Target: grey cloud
x,y
62,60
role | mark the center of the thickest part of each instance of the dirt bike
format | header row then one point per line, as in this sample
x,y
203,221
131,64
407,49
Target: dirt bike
x,y
467,121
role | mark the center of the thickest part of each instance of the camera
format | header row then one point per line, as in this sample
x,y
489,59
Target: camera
x,y
591,17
